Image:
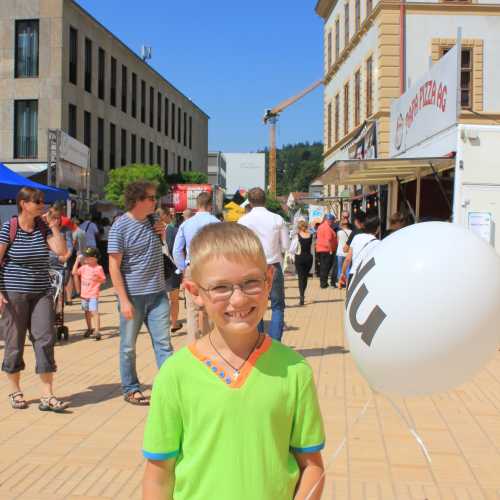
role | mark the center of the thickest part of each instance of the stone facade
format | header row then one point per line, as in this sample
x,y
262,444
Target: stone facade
x,y
173,148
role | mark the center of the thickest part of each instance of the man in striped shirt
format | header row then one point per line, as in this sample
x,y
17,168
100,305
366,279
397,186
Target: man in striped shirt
x,y
136,269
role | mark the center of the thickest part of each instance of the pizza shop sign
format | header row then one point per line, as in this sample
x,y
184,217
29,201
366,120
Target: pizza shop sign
x,y
427,108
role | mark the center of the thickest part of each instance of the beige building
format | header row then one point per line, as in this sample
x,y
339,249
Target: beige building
x,y
375,49
61,69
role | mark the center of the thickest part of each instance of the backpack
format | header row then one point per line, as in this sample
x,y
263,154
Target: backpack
x,y
14,224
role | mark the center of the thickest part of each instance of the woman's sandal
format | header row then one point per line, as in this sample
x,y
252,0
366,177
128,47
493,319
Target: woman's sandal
x,y
51,403
17,401
140,401
176,328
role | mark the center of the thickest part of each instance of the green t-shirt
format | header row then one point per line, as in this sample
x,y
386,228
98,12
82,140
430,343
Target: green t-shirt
x,y
234,440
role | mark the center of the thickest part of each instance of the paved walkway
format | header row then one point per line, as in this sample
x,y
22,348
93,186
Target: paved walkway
x,y
94,451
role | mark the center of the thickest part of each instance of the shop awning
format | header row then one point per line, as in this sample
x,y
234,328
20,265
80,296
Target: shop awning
x,y
27,169
382,171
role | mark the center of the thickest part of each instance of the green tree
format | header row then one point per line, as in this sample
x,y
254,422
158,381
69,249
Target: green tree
x,y
191,177
120,177
273,205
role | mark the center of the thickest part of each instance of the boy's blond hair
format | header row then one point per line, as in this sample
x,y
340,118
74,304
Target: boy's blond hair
x,y
225,239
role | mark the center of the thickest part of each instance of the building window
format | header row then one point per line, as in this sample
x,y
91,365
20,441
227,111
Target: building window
x,y
124,88
184,136
329,126
369,87
337,118
369,7
346,108
357,97
178,164
100,144
87,129
165,161
329,50
190,132
158,155
465,76
143,150
184,164
123,147
112,145
26,129
158,117
143,101
88,65
27,43
113,82
72,128
151,153
337,39
73,55
151,107
134,95
172,130
190,165
133,148
101,73
179,112
346,24
357,15
166,115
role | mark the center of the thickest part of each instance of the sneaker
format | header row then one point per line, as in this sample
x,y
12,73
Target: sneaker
x,y
98,336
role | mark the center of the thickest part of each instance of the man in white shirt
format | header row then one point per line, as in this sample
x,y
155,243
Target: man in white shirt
x,y
273,234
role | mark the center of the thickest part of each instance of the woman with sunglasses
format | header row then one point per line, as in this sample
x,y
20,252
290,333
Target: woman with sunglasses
x,y
25,298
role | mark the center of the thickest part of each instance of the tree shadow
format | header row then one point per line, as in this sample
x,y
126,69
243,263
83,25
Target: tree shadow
x,y
323,351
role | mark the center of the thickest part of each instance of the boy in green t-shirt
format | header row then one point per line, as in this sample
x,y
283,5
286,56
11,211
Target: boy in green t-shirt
x,y
235,415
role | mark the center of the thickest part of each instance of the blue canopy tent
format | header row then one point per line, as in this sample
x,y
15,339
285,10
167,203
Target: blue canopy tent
x,y
11,183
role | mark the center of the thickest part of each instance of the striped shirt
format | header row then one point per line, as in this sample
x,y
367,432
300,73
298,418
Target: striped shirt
x,y
26,262
142,258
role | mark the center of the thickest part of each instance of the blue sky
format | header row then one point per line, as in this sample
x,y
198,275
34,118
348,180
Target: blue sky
x,y
234,59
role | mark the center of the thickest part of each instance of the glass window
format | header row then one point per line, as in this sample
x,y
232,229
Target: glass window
x,y
26,129
112,145
143,101
346,108
159,120
329,49
357,97
178,164
101,73
87,129
337,118
465,76
158,155
72,127
143,150
179,112
346,24
369,7
151,107
133,148
184,164
27,47
124,88
337,39
329,126
88,65
151,153
165,161
190,165
100,144
123,147
113,82
369,87
166,115
357,15
73,55
172,131
190,132
184,137
134,95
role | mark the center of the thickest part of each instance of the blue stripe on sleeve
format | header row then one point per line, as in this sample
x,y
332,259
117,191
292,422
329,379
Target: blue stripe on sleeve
x,y
159,456
308,449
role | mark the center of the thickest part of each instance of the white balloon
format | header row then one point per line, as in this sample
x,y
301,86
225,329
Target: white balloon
x,y
424,314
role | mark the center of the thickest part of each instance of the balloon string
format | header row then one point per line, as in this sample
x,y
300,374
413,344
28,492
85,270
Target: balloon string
x,y
411,428
340,447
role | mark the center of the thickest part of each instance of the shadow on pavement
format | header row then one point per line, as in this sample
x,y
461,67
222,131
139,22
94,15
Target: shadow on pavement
x,y
98,394
323,351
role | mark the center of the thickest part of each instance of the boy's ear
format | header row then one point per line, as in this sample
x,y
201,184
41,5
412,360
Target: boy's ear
x,y
194,290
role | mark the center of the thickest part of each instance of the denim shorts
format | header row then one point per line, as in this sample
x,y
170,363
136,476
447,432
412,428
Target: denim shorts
x,y
90,305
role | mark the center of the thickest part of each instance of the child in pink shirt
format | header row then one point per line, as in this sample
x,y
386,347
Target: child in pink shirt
x,y
92,276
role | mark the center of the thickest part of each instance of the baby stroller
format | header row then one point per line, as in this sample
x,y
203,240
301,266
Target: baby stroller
x,y
57,286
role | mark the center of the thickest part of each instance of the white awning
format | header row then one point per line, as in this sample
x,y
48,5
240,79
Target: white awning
x,y
381,171
27,169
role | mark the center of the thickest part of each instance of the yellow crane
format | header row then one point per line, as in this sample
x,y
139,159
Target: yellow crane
x,y
270,118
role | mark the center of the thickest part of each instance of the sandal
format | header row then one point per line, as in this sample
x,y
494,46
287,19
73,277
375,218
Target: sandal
x,y
176,328
17,401
88,333
140,401
51,403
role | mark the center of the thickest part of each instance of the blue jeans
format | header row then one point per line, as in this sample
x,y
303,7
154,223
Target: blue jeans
x,y
277,297
154,310
340,263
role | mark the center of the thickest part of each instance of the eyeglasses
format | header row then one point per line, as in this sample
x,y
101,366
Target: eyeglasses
x,y
222,292
150,197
